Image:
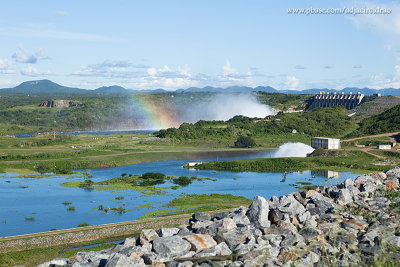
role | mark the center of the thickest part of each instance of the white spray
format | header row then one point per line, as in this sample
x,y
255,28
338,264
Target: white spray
x,y
292,150
226,106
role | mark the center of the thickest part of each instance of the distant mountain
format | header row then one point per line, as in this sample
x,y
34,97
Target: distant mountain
x,y
49,87
42,87
114,89
231,89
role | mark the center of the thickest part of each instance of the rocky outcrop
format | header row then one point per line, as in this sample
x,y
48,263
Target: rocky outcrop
x,y
355,223
59,104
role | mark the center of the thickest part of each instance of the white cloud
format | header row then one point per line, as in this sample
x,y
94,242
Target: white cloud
x,y
61,13
379,23
33,72
109,69
382,80
228,69
292,82
24,56
6,66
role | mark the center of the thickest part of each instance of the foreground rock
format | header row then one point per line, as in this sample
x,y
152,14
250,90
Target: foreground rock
x,y
355,223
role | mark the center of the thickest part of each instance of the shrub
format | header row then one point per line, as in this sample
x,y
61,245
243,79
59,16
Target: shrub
x,y
83,224
245,141
153,175
182,181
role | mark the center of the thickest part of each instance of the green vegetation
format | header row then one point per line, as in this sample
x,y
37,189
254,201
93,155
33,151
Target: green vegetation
x,y
145,183
194,203
83,224
284,101
340,161
244,141
331,122
71,208
29,219
386,122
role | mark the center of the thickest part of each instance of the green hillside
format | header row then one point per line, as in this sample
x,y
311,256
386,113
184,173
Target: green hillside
x,y
386,122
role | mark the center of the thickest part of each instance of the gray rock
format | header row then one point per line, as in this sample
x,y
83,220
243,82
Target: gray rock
x,y
130,242
219,216
59,262
234,237
258,212
119,260
91,257
200,224
225,224
221,249
184,232
344,197
241,219
273,239
168,232
288,204
147,235
323,204
275,215
202,216
171,246
153,258
179,264
292,240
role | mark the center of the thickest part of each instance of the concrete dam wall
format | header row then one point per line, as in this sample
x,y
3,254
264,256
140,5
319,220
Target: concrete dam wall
x,y
349,101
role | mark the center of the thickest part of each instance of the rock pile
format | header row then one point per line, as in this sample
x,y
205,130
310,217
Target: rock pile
x,y
354,223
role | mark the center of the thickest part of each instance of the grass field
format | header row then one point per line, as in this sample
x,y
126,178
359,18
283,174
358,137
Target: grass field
x,y
63,153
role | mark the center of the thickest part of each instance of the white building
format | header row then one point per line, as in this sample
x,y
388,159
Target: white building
x,y
384,147
324,142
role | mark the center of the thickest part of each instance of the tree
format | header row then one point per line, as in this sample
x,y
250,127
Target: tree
x,y
245,141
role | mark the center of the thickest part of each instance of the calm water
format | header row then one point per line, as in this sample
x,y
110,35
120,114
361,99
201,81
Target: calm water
x,y
42,199
24,135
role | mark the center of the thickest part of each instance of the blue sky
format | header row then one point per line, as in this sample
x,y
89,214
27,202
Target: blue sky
x,y
179,44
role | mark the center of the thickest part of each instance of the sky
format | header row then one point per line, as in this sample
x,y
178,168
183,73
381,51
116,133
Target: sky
x,y
173,44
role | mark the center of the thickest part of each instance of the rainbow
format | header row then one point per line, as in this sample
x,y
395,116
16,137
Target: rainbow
x,y
148,112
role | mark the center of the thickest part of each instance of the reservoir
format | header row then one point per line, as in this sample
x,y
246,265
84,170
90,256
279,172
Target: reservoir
x,y
29,205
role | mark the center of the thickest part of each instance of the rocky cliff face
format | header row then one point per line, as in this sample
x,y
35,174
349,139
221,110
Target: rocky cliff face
x,y
59,104
355,223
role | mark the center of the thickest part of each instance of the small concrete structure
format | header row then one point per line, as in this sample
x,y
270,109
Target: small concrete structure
x,y
324,142
384,147
191,164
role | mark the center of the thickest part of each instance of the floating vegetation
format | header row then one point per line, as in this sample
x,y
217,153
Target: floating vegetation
x,y
119,210
100,207
31,219
71,208
145,183
66,203
8,181
23,187
306,187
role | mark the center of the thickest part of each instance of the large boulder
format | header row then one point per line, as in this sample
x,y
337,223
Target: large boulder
x,y
171,246
258,212
119,260
200,242
147,235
